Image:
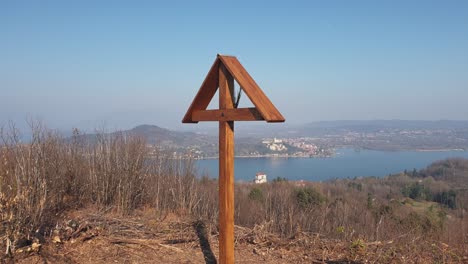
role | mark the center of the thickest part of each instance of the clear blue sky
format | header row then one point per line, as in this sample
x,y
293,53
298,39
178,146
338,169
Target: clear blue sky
x,y
84,63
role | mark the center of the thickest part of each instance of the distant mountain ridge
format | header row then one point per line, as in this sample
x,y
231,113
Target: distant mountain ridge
x,y
162,136
157,135
394,123
323,127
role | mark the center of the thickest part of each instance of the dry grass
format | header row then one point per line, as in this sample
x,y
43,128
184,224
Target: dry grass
x,y
87,236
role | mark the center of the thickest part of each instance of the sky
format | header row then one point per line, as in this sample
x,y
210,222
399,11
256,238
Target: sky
x,y
123,63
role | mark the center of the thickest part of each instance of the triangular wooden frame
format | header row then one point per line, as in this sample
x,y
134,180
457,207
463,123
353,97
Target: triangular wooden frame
x,y
263,110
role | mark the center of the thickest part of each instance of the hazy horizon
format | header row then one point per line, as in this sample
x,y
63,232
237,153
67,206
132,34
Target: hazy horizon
x,y
212,127
87,64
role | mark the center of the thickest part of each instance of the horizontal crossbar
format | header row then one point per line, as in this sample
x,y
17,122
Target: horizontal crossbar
x,y
236,114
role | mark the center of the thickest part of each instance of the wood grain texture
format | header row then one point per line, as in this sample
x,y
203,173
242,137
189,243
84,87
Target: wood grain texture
x,y
237,114
205,93
253,91
226,170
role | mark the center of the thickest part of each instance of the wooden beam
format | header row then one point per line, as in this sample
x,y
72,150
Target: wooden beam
x,y
253,91
226,170
237,114
205,93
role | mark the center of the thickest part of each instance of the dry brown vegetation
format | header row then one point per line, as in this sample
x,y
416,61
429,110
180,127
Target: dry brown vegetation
x,y
411,217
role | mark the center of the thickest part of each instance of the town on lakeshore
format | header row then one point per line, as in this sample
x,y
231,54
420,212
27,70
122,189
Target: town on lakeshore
x,y
315,140
268,147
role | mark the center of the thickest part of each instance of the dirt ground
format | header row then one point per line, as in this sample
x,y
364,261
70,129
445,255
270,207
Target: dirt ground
x,y
89,237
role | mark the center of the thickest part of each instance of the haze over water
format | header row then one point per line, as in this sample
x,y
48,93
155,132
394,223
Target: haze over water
x,y
348,163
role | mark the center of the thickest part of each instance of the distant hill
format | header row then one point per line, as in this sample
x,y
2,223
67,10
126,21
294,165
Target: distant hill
x,y
389,134
397,124
162,136
321,128
454,171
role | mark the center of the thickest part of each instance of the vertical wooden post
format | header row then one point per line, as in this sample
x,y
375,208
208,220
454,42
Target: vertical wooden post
x,y
226,170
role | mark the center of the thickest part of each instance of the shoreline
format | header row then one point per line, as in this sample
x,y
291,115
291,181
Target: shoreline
x,y
440,150
269,156
333,156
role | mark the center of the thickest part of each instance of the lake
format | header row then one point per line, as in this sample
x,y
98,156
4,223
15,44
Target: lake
x,y
348,163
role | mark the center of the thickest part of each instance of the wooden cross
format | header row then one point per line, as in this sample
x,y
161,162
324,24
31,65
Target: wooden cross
x,y
222,74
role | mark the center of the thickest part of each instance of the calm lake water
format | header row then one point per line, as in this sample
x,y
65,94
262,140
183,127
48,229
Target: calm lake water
x,y
347,163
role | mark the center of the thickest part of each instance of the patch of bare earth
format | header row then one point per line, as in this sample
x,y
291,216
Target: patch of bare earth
x,y
88,237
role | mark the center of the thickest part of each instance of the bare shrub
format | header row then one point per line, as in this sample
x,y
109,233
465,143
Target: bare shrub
x,y
31,180
117,171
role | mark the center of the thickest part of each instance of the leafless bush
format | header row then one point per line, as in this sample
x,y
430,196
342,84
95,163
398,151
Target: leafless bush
x,y
31,180
117,171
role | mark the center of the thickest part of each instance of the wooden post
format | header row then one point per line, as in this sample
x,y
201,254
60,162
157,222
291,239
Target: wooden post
x,y
226,170
222,74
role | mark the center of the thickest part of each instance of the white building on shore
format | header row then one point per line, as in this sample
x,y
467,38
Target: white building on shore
x,y
260,177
